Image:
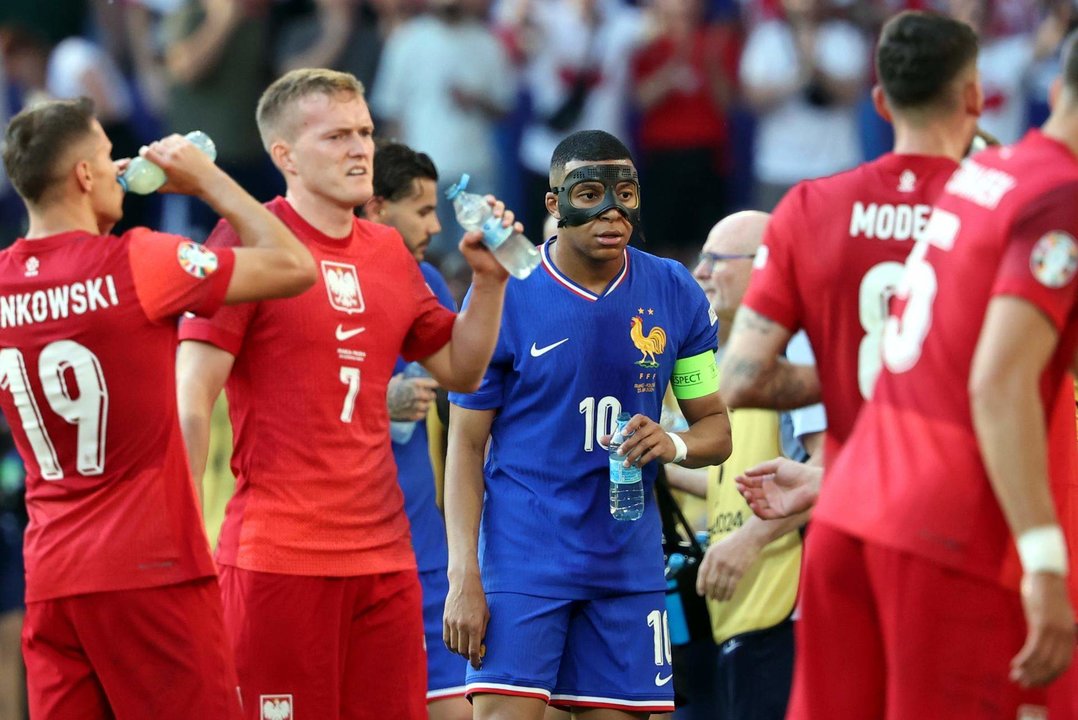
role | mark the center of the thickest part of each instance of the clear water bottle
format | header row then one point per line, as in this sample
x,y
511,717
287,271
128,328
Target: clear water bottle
x,y
401,431
516,253
626,483
142,177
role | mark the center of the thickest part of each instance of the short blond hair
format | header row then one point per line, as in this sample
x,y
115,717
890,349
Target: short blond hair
x,y
274,114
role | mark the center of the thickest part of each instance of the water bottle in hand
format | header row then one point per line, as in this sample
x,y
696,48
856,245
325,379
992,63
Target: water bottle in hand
x,y
401,431
142,177
516,253
626,483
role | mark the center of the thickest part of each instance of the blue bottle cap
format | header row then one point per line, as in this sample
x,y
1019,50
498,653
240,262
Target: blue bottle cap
x,y
123,182
457,189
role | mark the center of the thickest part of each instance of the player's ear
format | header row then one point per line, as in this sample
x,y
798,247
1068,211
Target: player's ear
x,y
282,157
879,101
551,202
374,208
83,176
973,96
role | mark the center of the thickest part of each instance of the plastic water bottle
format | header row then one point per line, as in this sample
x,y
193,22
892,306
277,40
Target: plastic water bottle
x,y
516,253
142,177
401,431
675,609
626,483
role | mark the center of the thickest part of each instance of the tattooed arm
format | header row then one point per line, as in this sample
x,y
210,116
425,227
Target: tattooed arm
x,y
754,373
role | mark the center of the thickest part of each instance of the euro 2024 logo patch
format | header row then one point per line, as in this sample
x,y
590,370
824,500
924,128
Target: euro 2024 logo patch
x,y
196,260
1054,259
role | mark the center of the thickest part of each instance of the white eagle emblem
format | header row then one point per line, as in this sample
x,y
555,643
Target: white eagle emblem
x,y
276,707
342,285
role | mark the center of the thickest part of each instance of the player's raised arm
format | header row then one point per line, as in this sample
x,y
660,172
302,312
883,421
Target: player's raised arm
x,y
1016,343
466,612
272,262
460,364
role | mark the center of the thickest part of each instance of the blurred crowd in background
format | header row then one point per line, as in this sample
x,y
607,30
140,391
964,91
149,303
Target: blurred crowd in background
x,y
726,103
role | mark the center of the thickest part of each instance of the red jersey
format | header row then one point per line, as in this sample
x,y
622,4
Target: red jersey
x,y
831,255
316,485
911,476
87,383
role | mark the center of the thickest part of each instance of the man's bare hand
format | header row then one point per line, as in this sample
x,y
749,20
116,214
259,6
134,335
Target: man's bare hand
x,y
409,398
725,563
645,440
1050,634
464,623
780,488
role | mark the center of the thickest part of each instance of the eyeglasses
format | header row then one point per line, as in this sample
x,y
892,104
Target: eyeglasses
x,y
708,259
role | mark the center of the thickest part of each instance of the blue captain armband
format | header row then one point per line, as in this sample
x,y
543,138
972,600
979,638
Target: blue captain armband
x,y
695,376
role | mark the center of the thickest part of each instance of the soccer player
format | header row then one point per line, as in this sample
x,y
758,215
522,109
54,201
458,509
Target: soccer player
x,y
321,594
123,612
835,246
947,468
405,198
573,596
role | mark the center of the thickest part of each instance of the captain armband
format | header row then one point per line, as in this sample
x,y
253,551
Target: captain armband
x,y
695,376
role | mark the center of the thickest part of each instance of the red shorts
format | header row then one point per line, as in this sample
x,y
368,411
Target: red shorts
x,y
321,648
149,653
885,634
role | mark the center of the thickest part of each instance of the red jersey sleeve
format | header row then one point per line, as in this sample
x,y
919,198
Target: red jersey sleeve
x,y
433,324
1040,261
226,328
173,275
772,290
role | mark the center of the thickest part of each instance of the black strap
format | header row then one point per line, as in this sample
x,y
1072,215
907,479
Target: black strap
x,y
671,515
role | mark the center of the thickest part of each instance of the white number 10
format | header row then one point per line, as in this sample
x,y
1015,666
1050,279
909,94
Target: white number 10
x,y
85,405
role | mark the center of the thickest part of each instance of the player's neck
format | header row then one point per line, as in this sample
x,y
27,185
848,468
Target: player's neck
x,y
60,218
594,275
937,140
1062,126
324,216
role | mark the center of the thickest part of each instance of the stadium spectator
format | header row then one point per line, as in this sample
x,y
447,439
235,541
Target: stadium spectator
x,y
1007,58
803,75
217,57
683,87
322,598
972,412
345,35
114,538
581,624
751,569
576,73
405,198
449,110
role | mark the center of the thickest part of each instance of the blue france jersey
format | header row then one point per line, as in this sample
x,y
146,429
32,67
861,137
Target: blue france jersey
x,y
566,363
414,472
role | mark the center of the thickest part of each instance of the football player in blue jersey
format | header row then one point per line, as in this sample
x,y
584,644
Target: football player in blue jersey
x,y
552,599
406,198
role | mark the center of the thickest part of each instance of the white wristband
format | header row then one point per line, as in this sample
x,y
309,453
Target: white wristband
x,y
680,451
1043,549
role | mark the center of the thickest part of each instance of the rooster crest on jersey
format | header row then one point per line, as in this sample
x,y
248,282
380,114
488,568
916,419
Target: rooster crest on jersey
x,y
650,345
276,707
1054,259
342,285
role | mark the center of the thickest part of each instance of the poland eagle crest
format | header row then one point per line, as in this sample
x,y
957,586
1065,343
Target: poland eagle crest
x,y
342,286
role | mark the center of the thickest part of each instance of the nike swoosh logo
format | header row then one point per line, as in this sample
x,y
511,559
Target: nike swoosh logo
x,y
536,352
660,680
343,334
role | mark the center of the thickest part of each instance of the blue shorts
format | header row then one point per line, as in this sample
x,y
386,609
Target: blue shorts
x,y
12,576
611,652
445,669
